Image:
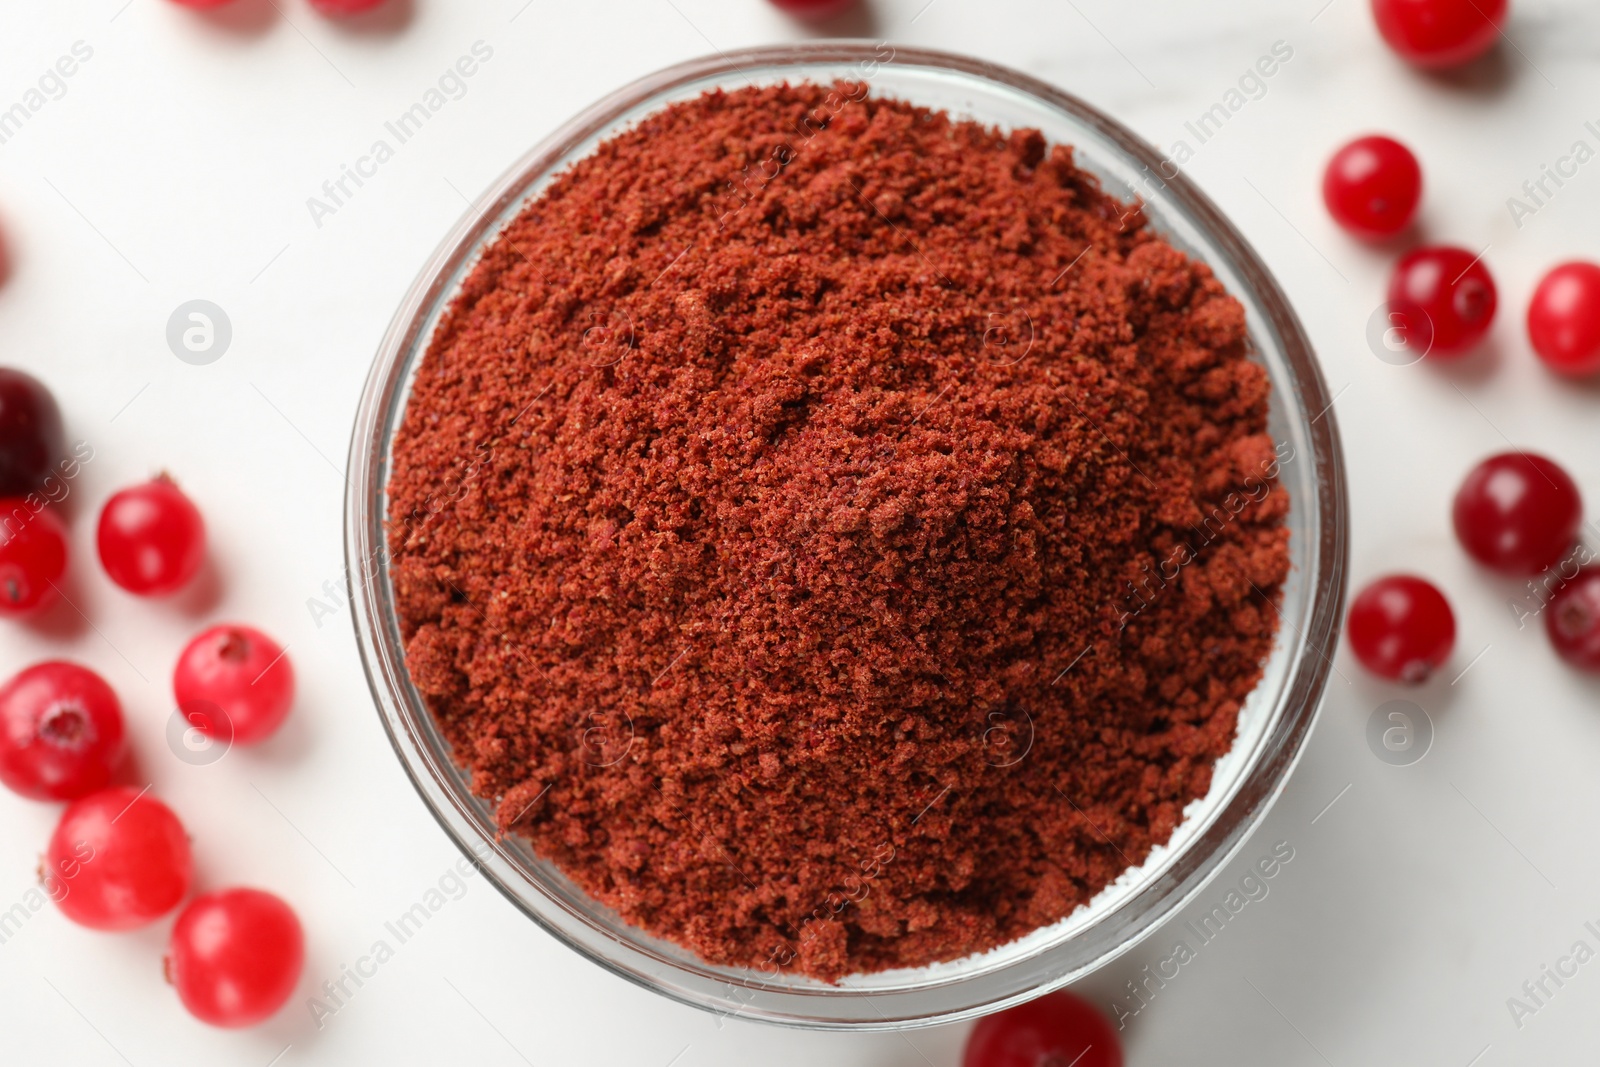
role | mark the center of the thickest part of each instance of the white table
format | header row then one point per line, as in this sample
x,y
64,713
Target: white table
x,y
177,163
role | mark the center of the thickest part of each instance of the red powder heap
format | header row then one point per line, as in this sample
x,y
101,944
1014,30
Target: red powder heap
x,y
838,536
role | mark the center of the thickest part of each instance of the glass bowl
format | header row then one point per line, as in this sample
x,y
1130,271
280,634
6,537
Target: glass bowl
x,y
1272,725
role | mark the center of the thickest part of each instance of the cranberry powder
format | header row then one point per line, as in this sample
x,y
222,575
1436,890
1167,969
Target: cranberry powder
x,y
838,536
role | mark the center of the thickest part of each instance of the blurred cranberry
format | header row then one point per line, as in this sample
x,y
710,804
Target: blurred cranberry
x,y
1372,187
1572,619
1058,1028
33,557
30,433
1439,33
1564,319
151,537
1401,628
1443,299
1517,513
814,9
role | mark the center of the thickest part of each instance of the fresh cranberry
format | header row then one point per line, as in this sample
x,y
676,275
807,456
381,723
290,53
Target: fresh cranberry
x,y
1401,628
1564,318
1372,187
33,556
1058,1028
1572,619
152,540
814,9
1439,33
1442,300
60,732
30,433
119,859
235,956
239,678
1517,513
341,8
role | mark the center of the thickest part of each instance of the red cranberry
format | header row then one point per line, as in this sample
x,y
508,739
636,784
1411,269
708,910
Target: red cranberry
x,y
60,732
119,859
1517,513
814,9
152,540
1442,300
1401,628
1058,1028
1564,319
239,678
1439,33
30,433
1572,619
235,956
1372,187
33,557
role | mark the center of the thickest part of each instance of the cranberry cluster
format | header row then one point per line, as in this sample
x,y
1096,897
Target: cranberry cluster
x,y
1516,513
1442,299
119,858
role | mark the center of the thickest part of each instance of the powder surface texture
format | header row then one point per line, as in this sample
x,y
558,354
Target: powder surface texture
x,y
839,536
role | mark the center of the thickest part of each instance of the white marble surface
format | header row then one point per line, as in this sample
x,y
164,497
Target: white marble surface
x,y
177,163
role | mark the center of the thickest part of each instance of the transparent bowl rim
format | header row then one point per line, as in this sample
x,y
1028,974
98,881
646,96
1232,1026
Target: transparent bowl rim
x,y
750,996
